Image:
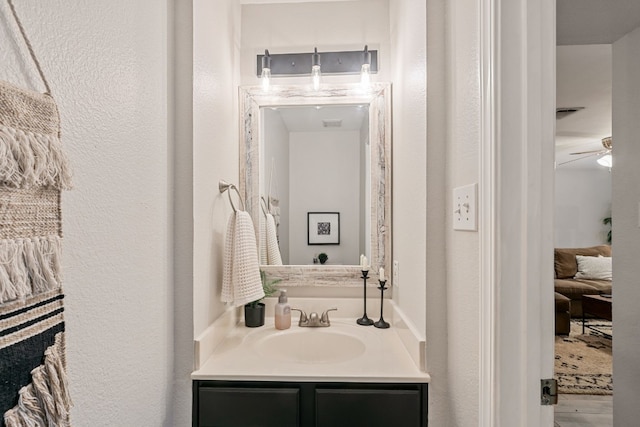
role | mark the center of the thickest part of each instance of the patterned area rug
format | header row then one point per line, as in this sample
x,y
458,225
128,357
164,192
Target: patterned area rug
x,y
584,362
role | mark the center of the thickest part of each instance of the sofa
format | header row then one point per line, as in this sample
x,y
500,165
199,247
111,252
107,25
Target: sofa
x,y
573,285
563,314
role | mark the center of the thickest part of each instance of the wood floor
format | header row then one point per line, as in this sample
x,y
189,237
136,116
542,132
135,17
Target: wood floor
x,y
575,410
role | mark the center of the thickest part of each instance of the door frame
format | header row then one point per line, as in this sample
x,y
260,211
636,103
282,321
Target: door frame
x,y
517,58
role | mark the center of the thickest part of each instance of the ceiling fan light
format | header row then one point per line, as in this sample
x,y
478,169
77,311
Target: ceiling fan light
x,y
606,160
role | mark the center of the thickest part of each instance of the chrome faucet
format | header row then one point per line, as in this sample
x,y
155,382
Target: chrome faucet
x,y
313,320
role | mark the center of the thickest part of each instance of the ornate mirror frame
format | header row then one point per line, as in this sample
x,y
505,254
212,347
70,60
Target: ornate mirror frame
x,y
378,98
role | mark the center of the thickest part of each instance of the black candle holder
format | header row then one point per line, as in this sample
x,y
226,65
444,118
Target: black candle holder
x,y
381,323
364,320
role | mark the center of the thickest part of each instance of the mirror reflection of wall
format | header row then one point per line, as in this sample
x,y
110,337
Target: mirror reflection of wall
x,y
317,159
582,201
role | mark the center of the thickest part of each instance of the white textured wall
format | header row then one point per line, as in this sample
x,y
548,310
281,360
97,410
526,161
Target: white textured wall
x,y
408,42
462,247
323,178
583,199
626,232
327,25
216,38
107,65
181,127
437,317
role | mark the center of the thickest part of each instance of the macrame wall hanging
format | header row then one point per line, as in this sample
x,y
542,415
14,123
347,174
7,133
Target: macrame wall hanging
x,y
33,172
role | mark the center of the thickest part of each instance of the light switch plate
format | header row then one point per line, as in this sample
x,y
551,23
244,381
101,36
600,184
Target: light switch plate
x,y
465,208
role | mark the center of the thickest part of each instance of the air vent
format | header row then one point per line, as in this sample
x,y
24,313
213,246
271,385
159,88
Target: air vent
x,y
561,113
332,123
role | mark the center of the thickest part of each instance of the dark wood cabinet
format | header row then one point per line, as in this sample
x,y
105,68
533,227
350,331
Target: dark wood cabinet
x,y
381,407
308,404
248,406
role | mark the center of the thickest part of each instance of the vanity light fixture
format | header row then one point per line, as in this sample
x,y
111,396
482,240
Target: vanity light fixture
x,y
356,62
315,69
265,74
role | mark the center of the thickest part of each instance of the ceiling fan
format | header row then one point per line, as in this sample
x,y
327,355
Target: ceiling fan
x,y
605,152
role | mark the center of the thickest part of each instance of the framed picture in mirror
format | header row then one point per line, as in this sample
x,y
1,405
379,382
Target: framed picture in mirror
x,y
323,228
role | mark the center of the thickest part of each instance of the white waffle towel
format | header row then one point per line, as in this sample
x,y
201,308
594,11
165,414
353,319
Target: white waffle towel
x,y
273,249
241,282
264,260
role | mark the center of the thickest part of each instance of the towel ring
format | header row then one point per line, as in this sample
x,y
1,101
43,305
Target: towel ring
x,y
224,186
263,205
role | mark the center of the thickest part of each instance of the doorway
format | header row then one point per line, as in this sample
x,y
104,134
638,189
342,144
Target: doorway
x,y
617,25
583,359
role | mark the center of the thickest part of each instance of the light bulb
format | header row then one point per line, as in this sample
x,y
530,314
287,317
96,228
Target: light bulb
x,y
315,76
365,71
365,75
605,160
265,75
266,78
315,69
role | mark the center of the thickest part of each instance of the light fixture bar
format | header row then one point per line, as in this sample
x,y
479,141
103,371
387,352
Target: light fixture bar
x,y
292,64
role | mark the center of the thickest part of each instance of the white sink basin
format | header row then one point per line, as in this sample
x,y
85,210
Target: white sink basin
x,y
310,345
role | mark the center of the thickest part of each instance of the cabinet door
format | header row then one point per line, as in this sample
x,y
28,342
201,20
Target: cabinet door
x,y
248,407
371,408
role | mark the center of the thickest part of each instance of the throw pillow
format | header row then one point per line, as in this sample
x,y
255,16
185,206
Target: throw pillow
x,y
594,268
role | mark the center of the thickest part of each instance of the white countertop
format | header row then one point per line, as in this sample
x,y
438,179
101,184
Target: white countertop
x,y
240,355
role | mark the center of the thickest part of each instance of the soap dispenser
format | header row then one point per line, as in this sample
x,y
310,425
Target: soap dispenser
x,y
283,311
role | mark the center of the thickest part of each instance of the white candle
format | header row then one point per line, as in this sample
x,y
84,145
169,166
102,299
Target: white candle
x,y
361,264
364,263
381,274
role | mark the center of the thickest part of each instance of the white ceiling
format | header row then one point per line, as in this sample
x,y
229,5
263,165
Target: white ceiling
x,y
595,21
310,118
586,30
583,79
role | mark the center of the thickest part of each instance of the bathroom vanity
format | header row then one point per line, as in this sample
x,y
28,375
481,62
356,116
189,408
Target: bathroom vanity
x,y
342,375
307,404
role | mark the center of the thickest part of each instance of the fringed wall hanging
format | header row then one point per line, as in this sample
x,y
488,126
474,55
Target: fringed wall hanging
x,y
33,172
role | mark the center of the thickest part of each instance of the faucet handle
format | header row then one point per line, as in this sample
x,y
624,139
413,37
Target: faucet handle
x,y
303,316
325,315
313,319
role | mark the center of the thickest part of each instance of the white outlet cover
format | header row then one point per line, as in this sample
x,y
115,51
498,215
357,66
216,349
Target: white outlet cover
x,y
465,208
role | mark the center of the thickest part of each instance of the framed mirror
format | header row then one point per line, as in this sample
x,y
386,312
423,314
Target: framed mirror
x,y
316,165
